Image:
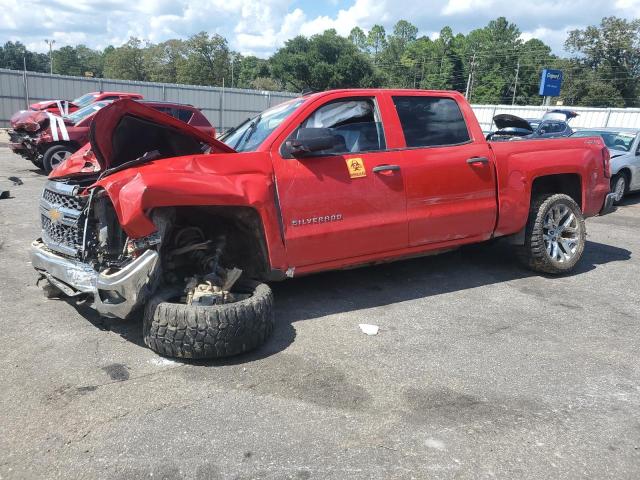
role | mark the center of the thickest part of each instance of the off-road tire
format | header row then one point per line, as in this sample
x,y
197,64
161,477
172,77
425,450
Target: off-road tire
x,y
48,156
194,331
533,253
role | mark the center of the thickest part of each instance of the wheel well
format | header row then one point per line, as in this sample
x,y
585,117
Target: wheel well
x,y
627,173
567,183
245,240
72,145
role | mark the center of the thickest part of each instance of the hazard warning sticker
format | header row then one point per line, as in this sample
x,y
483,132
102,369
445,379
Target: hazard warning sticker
x,y
356,167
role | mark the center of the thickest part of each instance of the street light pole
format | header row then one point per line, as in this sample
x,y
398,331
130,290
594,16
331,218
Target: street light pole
x,y
50,43
515,85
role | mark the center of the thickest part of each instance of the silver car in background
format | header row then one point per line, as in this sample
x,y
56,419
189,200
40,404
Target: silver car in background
x,y
624,146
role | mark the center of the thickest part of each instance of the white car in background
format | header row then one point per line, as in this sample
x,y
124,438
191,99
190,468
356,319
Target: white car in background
x,y
624,146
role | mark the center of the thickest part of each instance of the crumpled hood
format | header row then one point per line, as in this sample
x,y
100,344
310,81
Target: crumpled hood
x,y
81,163
126,129
30,120
505,120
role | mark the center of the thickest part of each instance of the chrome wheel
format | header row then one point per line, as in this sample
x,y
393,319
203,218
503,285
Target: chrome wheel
x,y
561,233
619,187
59,157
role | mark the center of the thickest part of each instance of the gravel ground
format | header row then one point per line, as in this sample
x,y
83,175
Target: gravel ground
x,y
480,370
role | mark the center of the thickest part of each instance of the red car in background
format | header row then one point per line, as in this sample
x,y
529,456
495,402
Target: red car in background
x,y
23,118
58,137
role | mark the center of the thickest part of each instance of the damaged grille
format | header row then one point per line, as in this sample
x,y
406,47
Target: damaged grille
x,y
61,215
65,201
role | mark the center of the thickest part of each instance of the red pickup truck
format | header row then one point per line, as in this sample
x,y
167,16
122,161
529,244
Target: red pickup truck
x,y
188,227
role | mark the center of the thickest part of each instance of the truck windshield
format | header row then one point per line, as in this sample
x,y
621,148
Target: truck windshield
x,y
83,113
85,100
250,134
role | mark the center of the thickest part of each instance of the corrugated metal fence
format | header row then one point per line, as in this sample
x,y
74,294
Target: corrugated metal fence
x,y
227,107
224,107
587,117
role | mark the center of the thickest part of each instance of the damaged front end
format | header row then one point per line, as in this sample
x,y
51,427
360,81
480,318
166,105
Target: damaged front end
x,y
99,242
84,252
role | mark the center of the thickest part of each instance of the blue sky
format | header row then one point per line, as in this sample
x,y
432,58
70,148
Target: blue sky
x,y
261,26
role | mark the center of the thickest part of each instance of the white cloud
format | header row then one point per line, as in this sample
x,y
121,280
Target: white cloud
x,y
464,6
261,26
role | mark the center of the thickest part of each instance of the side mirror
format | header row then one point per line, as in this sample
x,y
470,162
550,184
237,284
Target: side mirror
x,y
311,140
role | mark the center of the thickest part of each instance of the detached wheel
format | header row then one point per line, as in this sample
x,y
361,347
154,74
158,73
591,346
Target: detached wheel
x,y
619,187
555,235
195,331
54,156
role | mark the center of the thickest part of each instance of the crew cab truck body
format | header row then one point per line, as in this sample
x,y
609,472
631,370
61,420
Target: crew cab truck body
x,y
326,181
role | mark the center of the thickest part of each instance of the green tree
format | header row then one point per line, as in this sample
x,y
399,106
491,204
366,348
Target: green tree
x,y
359,39
377,39
164,60
77,61
13,56
250,69
207,62
610,53
405,32
265,83
321,62
491,53
126,62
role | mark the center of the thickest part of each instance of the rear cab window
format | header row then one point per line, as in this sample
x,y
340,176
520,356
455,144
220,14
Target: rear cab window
x,y
431,121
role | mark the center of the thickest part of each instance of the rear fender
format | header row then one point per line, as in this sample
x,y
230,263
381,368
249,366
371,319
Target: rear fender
x,y
517,172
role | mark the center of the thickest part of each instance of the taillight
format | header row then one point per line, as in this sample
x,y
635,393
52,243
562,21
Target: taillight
x,y
606,162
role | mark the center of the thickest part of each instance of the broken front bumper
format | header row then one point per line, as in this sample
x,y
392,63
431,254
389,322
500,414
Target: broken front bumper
x,y
115,294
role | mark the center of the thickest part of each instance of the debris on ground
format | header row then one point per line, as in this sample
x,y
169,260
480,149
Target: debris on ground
x,y
369,329
16,180
4,193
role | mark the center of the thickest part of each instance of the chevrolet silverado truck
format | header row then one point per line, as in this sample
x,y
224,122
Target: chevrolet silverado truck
x,y
185,230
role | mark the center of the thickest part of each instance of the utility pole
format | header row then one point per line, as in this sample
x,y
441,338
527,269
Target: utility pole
x,y
515,86
233,58
467,93
50,43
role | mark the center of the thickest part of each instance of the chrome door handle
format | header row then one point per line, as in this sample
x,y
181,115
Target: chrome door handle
x,y
385,168
474,160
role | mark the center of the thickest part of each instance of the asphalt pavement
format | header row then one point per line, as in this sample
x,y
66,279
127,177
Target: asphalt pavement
x,y
480,369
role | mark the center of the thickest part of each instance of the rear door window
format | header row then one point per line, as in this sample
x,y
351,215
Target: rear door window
x,y
431,121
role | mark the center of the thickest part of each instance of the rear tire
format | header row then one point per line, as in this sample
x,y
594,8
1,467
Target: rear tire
x,y
54,156
555,235
195,331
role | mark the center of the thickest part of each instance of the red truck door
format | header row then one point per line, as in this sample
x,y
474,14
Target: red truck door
x,y
343,202
450,178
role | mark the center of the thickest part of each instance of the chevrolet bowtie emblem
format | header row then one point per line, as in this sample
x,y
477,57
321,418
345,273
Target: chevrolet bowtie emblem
x,y
55,215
